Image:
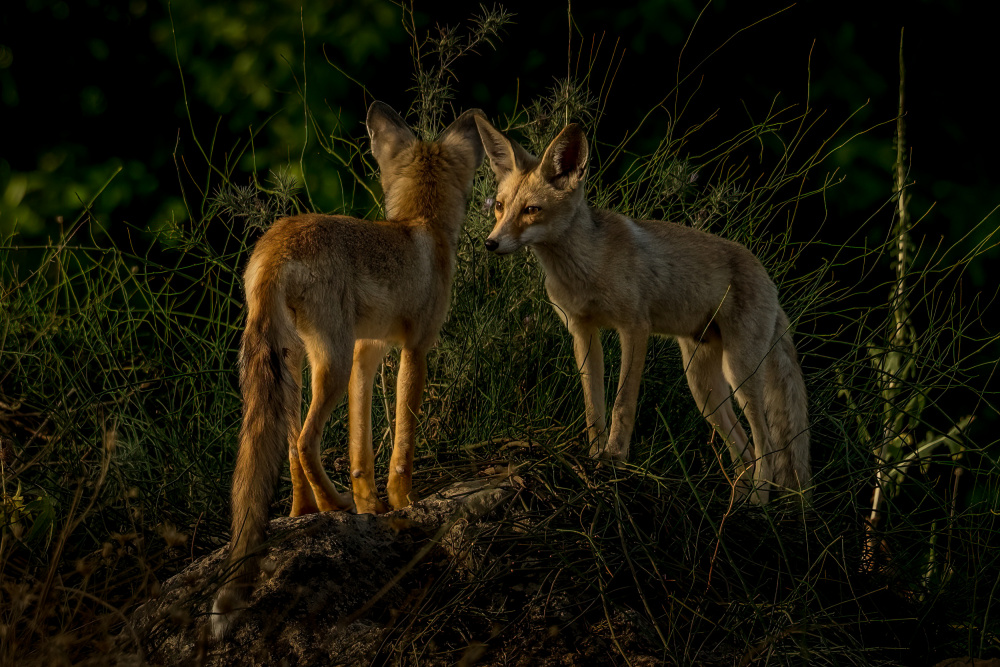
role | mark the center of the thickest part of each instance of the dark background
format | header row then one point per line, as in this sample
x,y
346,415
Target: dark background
x,y
87,86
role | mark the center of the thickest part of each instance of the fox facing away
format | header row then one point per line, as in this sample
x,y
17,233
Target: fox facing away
x,y
645,277
337,291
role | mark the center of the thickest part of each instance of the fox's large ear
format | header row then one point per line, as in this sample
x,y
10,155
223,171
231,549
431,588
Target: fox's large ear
x,y
504,155
388,131
463,133
564,163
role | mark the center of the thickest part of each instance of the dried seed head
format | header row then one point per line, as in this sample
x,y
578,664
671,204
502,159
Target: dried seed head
x,y
172,536
7,454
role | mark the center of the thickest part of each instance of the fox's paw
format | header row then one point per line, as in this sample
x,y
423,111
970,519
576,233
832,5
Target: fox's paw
x,y
761,493
597,449
399,501
608,452
302,510
399,486
745,489
335,502
370,506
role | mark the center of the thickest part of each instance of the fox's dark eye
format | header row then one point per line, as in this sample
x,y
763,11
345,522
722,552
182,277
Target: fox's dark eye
x,y
531,210
499,206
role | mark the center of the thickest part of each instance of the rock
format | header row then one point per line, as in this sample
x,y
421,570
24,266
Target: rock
x,y
331,584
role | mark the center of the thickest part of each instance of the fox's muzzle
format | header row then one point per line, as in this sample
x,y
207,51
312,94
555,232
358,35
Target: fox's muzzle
x,y
504,239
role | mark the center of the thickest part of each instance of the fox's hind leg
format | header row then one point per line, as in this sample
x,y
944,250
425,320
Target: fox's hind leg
x,y
368,355
303,499
409,393
745,372
703,367
330,360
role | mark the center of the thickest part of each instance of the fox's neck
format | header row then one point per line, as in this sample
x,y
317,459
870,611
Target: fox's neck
x,y
436,207
572,257
431,201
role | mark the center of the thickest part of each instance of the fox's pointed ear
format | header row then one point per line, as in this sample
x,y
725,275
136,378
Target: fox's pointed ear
x,y
388,131
564,163
462,133
505,155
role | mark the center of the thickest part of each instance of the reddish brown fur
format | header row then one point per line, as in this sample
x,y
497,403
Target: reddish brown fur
x,y
336,291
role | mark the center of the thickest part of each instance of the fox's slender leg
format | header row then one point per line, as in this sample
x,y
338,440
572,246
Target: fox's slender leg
x,y
409,392
303,499
703,367
331,371
744,371
590,360
634,343
367,356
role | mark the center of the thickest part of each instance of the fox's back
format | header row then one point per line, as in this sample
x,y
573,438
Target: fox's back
x,y
676,278
692,253
699,278
384,275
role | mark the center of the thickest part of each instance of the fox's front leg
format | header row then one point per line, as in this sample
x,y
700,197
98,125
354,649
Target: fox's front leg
x,y
367,356
409,391
633,342
590,361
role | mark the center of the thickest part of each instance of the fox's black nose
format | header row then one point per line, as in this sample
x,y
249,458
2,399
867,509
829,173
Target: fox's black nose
x,y
491,244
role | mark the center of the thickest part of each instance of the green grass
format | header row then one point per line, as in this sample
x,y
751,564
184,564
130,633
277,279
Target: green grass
x,y
119,409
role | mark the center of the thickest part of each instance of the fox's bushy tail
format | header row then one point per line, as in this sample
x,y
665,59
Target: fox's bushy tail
x,y
271,399
787,410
